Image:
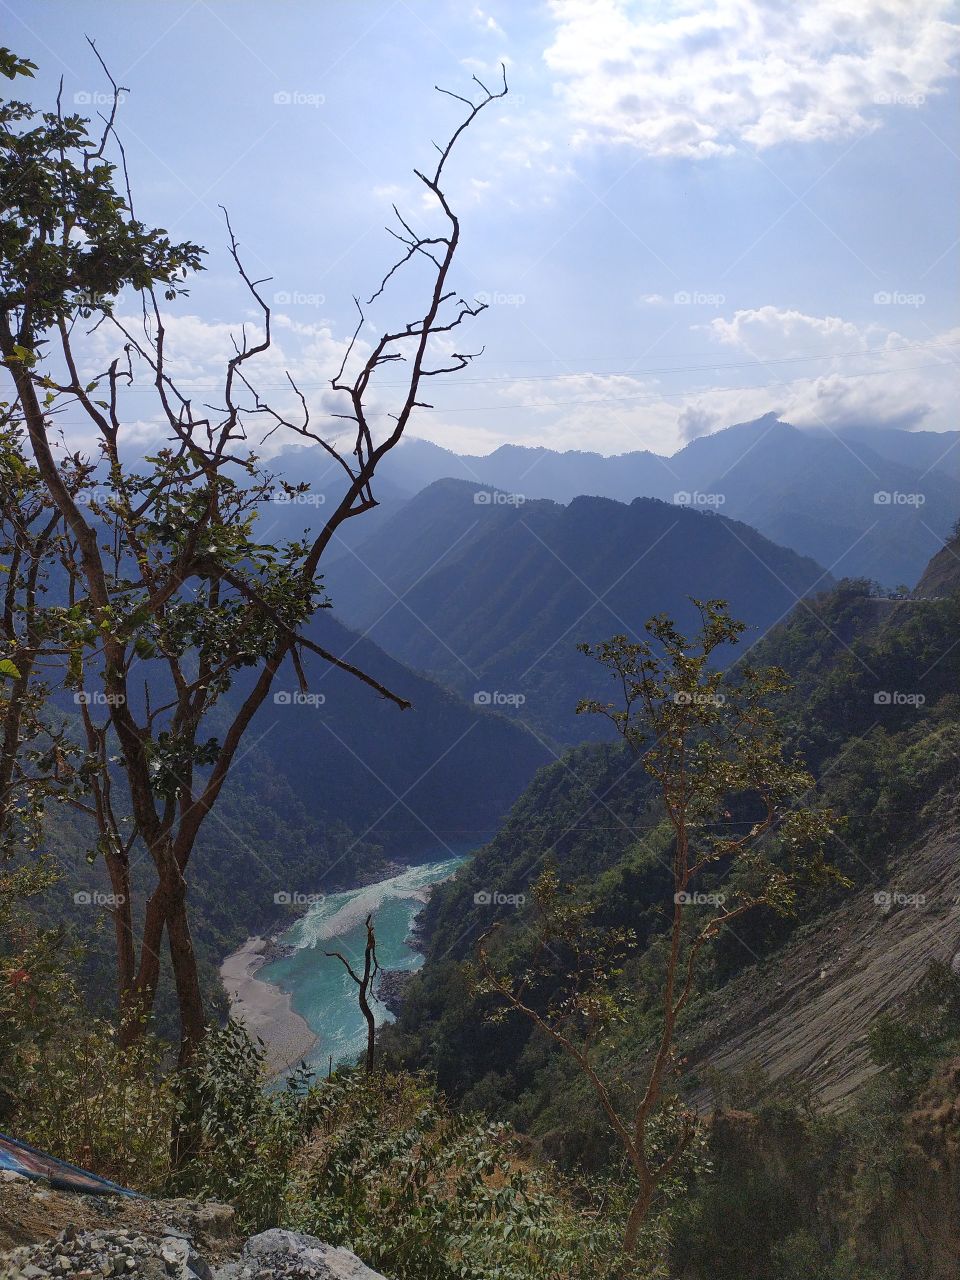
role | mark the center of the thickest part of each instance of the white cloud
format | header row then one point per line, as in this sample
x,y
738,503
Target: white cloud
x,y
197,351
813,371
770,333
702,77
486,22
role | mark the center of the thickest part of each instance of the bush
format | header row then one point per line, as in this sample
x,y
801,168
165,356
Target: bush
x,y
244,1138
94,1103
425,1194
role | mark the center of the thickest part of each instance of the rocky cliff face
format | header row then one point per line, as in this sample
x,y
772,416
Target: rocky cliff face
x,y
46,1233
942,575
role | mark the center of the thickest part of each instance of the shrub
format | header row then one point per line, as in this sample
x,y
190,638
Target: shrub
x,y
97,1104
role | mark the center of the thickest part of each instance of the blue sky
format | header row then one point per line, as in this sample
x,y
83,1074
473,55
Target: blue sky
x,y
684,215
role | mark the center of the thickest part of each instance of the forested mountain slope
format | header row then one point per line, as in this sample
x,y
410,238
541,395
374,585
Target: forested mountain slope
x,y
864,502
876,713
500,594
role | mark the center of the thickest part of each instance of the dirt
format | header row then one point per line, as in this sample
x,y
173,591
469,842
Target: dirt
x,y
31,1212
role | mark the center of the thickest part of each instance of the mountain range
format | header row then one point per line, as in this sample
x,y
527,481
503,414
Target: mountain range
x,y
863,502
491,595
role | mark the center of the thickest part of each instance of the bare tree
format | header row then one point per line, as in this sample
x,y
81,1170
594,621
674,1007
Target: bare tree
x,y
171,595
370,969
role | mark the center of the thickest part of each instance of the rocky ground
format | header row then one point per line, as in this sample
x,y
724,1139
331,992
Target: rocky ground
x,y
46,1233
806,1012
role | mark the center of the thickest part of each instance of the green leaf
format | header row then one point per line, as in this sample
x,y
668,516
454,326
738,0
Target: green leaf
x,y
8,668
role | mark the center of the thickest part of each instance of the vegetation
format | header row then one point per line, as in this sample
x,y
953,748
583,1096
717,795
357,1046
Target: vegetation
x,y
531,1115
708,744
167,584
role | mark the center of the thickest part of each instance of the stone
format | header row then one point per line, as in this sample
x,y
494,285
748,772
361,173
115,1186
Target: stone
x,y
277,1255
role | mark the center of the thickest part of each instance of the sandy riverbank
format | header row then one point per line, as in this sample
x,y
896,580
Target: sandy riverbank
x,y
264,1009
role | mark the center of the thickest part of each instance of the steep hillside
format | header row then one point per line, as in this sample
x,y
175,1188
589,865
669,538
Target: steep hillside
x,y
500,594
806,1011
876,713
942,575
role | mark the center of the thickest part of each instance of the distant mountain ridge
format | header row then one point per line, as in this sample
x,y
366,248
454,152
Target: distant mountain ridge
x,y
491,596
864,502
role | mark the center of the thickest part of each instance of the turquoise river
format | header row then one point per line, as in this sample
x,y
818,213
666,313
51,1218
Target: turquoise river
x,y
320,989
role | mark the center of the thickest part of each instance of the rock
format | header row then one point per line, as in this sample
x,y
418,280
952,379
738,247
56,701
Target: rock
x,y
291,1255
73,1236
392,986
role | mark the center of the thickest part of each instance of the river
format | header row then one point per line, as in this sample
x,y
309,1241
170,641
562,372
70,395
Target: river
x,y
320,989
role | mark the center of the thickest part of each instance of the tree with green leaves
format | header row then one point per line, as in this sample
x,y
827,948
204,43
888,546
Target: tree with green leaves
x,y
170,590
711,744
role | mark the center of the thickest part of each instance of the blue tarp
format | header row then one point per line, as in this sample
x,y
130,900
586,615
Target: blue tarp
x,y
27,1160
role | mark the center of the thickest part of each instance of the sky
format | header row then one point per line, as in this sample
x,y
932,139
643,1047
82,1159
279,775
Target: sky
x,y
682,216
